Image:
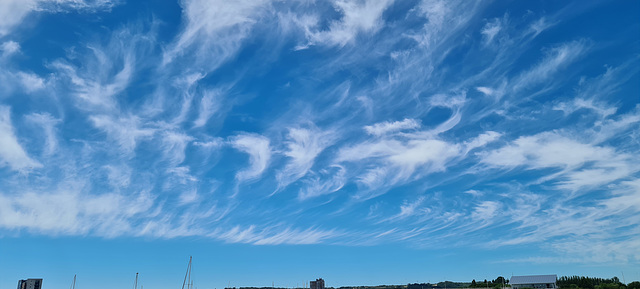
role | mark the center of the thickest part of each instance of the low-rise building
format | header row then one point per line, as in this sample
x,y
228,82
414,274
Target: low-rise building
x,y
534,281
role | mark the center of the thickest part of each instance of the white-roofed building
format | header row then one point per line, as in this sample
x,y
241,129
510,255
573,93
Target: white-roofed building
x,y
534,281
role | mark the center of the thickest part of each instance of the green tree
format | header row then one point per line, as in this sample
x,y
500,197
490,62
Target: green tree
x,y
633,285
473,283
608,286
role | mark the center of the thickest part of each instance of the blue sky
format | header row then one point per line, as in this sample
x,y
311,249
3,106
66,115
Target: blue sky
x,y
365,142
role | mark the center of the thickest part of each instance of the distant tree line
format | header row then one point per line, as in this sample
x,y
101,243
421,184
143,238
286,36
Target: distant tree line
x,y
445,284
582,282
495,283
371,287
564,282
256,288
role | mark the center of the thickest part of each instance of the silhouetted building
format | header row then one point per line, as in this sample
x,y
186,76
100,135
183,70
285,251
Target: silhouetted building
x,y
30,284
318,284
534,281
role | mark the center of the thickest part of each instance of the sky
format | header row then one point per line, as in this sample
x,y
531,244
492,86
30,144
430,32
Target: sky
x,y
365,142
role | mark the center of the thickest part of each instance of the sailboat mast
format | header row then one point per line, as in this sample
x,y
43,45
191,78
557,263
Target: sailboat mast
x,y
73,284
187,276
135,284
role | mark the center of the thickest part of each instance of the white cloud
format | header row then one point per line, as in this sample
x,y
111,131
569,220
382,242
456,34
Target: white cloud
x,y
434,153
12,12
408,209
11,152
367,150
395,161
90,6
271,236
126,131
9,48
259,151
105,70
450,101
444,19
327,181
12,81
357,17
554,60
119,175
214,143
491,29
96,93
209,104
183,174
30,81
497,92
214,30
436,12
303,146
601,229
615,127
486,90
485,211
579,103
188,197
186,84
48,124
602,173
540,25
584,165
625,199
69,212
481,140
546,150
383,128
376,178
474,193
174,145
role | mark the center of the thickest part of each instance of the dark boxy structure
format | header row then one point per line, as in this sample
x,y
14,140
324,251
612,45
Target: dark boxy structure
x,y
30,284
318,284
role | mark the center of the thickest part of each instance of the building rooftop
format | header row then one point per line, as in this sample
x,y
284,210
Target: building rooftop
x,y
533,279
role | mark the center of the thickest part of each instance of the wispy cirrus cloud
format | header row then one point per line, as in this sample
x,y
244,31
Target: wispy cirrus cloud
x,y
106,71
303,146
12,153
274,236
126,131
259,150
214,31
583,165
9,48
48,124
556,58
387,127
324,182
375,122
68,212
356,17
